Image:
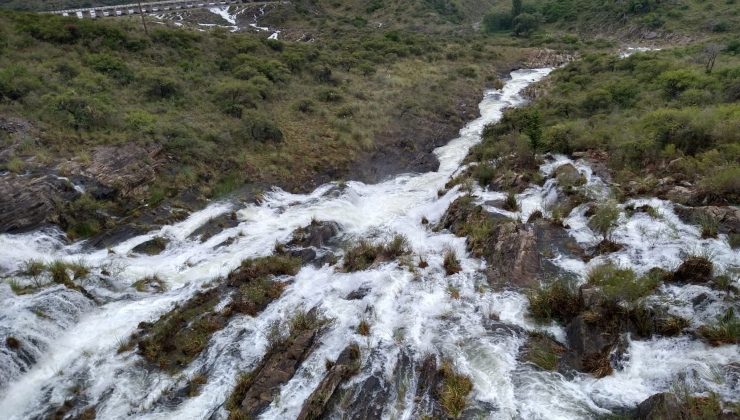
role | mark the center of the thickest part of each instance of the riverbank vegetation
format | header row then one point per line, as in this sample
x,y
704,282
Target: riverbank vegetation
x,y
660,117
210,112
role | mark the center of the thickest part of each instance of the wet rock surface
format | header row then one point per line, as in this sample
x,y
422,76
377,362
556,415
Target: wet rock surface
x,y
276,368
27,202
154,246
726,218
124,170
344,367
215,226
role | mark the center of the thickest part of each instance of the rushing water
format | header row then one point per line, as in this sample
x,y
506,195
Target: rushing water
x,y
74,343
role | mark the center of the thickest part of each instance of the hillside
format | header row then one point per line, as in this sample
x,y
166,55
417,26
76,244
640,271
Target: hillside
x,y
215,110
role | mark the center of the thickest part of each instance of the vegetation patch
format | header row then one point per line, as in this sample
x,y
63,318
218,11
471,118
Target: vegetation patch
x,y
726,330
451,263
181,334
543,351
365,254
255,390
454,390
558,301
621,284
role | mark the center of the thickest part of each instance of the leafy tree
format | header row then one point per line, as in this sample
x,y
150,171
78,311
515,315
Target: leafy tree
x,y
516,8
524,24
497,22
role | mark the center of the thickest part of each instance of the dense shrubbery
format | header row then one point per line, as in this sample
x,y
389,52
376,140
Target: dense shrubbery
x,y
213,101
646,111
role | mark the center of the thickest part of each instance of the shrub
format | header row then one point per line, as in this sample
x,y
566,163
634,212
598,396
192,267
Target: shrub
x,y
543,351
363,328
16,82
723,182
329,95
161,84
510,203
365,254
80,112
621,284
233,97
258,128
110,66
674,82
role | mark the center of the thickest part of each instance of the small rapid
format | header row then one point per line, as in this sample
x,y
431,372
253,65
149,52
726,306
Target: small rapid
x,y
74,346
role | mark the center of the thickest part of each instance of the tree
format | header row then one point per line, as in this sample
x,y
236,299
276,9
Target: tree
x,y
525,24
710,54
497,21
516,8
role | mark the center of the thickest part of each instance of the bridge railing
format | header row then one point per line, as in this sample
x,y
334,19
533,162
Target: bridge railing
x,y
133,8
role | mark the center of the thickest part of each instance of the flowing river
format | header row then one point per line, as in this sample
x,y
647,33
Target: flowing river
x,y
70,344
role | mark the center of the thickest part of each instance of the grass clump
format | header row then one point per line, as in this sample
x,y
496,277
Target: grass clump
x,y
34,269
605,219
181,334
150,284
510,203
365,253
454,390
543,351
621,284
558,301
709,226
725,331
451,263
363,328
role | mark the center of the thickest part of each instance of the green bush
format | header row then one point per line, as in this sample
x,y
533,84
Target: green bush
x,y
111,66
233,97
674,82
682,128
621,284
258,128
558,300
605,219
497,22
524,24
16,82
161,84
78,111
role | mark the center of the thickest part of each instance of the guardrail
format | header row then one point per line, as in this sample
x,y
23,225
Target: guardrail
x,y
148,7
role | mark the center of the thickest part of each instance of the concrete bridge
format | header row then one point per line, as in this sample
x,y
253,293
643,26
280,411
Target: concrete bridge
x,y
149,7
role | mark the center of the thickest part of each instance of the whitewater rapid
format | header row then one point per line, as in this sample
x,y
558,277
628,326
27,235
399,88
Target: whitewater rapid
x,y
410,314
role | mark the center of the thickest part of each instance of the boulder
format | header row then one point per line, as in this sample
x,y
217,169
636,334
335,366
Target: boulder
x,y
663,406
512,255
589,345
154,246
317,234
215,226
123,169
276,369
27,203
726,217
681,195
568,176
